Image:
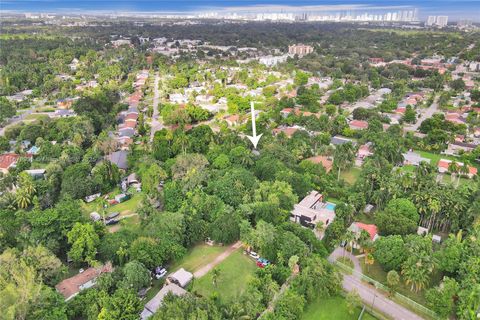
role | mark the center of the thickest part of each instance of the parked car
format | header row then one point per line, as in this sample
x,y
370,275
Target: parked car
x,y
160,272
111,222
262,262
112,215
254,255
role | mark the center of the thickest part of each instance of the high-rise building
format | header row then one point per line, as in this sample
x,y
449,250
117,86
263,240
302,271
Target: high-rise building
x,y
300,49
442,21
431,20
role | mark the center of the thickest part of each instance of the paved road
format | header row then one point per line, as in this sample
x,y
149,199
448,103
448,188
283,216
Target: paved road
x,y
156,123
369,294
13,121
427,113
206,268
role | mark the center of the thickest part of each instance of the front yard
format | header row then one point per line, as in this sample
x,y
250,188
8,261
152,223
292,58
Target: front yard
x,y
197,257
332,308
234,273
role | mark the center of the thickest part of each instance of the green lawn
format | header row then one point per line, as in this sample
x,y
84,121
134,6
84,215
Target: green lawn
x,y
376,272
125,208
197,257
351,175
332,308
235,273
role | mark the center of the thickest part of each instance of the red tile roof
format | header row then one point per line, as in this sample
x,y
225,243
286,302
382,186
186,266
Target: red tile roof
x,y
370,228
7,160
360,124
324,161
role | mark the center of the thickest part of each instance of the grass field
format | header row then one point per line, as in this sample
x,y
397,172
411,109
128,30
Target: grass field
x,y
351,175
235,273
197,257
332,308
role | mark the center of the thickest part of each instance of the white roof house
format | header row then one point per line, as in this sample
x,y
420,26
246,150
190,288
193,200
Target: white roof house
x,y
312,210
181,277
153,305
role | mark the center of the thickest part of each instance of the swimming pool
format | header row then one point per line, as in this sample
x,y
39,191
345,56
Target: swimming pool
x,y
330,206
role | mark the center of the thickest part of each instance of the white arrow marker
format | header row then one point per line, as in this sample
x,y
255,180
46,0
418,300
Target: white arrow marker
x,y
254,139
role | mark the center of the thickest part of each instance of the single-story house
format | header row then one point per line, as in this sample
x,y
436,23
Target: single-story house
x,y
7,161
312,210
413,158
64,113
232,120
119,158
92,197
443,166
336,140
358,125
357,228
126,132
458,146
153,305
70,287
288,131
326,162
36,173
180,277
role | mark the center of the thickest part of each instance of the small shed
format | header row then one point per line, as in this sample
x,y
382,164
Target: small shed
x,y
421,231
436,238
368,208
95,216
122,197
181,277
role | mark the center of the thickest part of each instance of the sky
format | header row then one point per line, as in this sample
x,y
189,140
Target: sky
x,y
468,9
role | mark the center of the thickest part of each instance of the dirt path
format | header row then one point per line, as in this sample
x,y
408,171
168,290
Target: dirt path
x,y
224,255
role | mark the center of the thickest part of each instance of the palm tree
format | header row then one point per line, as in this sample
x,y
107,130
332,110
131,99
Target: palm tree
x,y
417,272
348,237
453,168
343,156
215,275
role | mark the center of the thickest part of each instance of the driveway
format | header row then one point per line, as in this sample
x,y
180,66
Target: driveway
x,y
156,123
370,296
224,255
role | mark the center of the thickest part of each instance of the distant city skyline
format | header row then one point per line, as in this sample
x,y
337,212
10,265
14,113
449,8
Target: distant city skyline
x,y
456,10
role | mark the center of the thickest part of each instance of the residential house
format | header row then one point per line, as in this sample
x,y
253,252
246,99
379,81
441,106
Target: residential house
x,y
126,132
458,147
180,277
312,210
178,98
358,125
153,305
288,131
337,140
7,161
70,287
413,158
443,167
36,173
358,227
363,152
64,113
232,120
326,162
119,158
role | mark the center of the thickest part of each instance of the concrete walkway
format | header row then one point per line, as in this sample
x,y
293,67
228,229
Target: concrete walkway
x,y
224,255
371,297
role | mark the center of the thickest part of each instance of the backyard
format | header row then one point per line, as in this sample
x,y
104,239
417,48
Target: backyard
x,y
233,276
197,257
351,175
332,308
